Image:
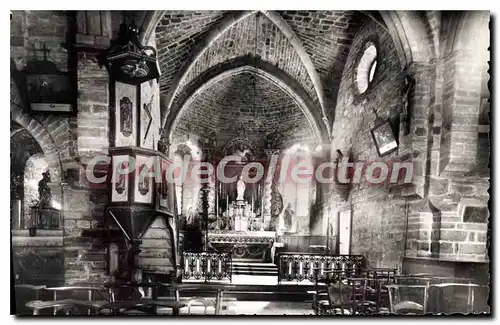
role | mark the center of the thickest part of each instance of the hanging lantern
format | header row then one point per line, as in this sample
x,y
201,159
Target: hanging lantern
x,y
129,61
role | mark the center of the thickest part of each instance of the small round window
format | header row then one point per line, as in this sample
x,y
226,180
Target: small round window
x,y
366,67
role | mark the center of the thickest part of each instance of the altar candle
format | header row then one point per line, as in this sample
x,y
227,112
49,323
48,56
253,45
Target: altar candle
x,y
227,202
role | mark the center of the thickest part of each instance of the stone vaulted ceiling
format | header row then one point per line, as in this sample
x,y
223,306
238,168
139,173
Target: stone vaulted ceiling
x,y
245,102
308,48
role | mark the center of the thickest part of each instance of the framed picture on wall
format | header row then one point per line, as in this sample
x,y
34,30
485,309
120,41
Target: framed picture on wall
x,y
50,92
384,138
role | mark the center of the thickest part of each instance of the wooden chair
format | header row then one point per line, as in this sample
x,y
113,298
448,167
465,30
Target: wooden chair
x,y
199,302
129,307
68,306
341,299
413,280
452,298
380,278
25,293
93,294
408,299
320,292
364,295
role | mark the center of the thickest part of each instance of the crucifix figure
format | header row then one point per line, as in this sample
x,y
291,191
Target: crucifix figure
x,y
149,119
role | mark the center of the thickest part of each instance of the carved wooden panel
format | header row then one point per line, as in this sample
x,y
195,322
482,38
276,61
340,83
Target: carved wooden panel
x,y
125,115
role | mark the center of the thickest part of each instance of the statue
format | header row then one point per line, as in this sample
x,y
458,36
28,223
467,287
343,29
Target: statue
x,y
44,191
406,90
288,217
243,152
240,188
190,216
126,118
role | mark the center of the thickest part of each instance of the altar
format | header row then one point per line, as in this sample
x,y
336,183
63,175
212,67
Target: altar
x,y
239,218
253,245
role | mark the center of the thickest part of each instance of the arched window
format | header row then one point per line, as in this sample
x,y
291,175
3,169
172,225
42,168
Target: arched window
x,y
367,65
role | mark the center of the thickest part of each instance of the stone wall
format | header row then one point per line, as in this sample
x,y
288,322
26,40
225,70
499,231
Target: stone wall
x,y
68,140
447,144
378,221
459,147
249,102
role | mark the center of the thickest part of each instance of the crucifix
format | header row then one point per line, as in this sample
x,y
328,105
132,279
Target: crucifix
x,y
147,110
45,51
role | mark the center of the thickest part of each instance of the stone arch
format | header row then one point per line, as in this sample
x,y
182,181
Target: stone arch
x,y
296,43
40,134
227,22
149,23
152,19
408,32
260,68
467,27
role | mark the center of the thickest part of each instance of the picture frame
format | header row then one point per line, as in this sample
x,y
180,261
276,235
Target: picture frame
x,y
384,138
50,92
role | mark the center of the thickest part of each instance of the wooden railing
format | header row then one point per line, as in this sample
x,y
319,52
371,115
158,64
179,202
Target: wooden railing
x,y
207,266
307,266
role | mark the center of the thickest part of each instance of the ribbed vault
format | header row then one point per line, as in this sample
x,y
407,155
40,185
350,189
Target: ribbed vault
x,y
310,47
211,39
244,102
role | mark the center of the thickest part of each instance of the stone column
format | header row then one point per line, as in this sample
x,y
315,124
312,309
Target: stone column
x,y
268,182
85,256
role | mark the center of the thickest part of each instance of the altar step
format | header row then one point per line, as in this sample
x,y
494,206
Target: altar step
x,y
254,268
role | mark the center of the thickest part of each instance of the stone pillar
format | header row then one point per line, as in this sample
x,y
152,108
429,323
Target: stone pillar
x,y
86,257
268,182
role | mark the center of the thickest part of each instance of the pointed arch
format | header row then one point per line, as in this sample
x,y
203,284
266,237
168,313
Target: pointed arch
x,y
262,69
38,132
